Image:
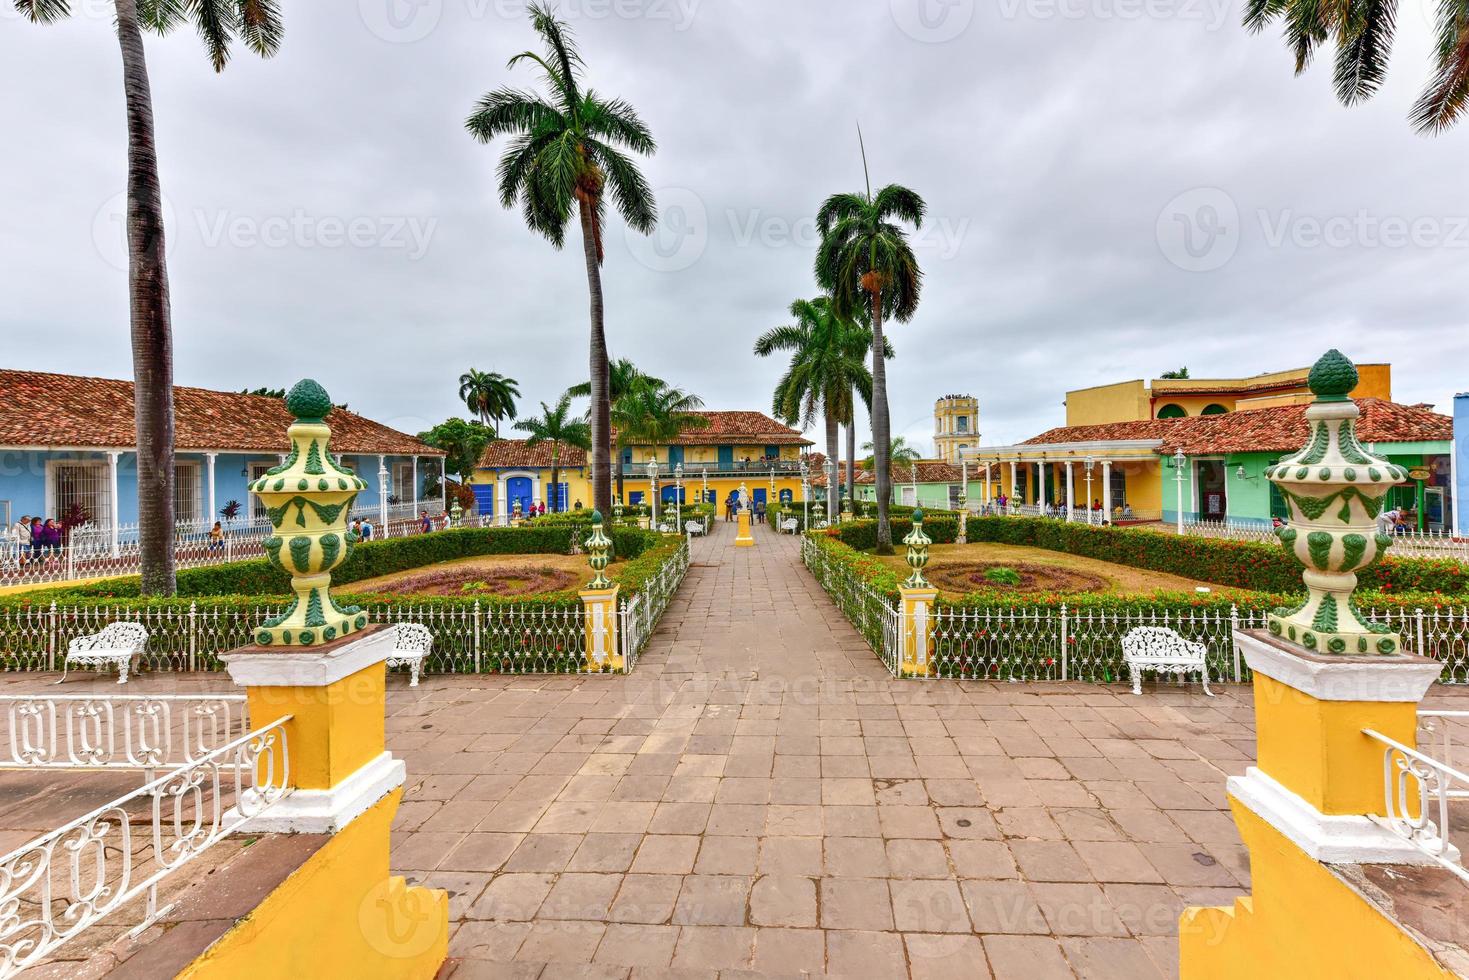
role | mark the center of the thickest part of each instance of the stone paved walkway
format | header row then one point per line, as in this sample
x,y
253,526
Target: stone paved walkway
x,y
760,798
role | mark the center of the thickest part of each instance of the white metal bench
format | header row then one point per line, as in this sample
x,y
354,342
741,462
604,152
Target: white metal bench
x,y
115,644
1163,650
696,528
412,643
789,526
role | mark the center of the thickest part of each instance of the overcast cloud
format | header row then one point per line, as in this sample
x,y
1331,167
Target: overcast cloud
x,y
1116,188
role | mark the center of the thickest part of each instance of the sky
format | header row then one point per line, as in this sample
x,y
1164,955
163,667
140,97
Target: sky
x,y
1115,188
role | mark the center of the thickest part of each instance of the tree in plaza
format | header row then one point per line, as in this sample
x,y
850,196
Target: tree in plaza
x,y
899,453
655,414
1363,34
463,443
865,260
623,378
490,395
560,428
257,25
562,156
828,370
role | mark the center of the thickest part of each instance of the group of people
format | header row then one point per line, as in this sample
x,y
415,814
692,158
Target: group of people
x,y
34,539
732,509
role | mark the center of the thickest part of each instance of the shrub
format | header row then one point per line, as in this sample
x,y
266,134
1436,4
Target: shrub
x,y
862,535
1255,565
1002,576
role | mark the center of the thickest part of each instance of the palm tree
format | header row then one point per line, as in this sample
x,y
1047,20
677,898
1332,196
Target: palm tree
x,y
828,364
563,155
652,415
560,428
623,378
257,25
865,260
1363,33
490,395
899,453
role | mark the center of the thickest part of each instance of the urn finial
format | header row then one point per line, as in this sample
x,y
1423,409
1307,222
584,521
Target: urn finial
x,y
308,499
1334,490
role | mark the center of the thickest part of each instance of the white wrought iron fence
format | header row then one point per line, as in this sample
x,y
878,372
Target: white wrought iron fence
x,y
119,731
1085,643
108,861
1418,790
1410,541
640,614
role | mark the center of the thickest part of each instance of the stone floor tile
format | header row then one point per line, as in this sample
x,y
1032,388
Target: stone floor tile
x,y
783,900
1110,959
1049,860
925,905
946,957
1120,861
790,952
712,900
791,856
637,945
543,852
666,854
512,897
645,898
856,857
917,859
1076,909
982,859
727,856
605,852
855,903
714,948
561,942
878,955
1003,906
1028,957
578,895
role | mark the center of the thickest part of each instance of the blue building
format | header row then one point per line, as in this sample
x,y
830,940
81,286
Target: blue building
x,y
67,449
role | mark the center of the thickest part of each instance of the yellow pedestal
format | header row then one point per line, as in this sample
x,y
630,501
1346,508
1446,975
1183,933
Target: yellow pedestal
x,y
917,643
743,537
1304,812
603,651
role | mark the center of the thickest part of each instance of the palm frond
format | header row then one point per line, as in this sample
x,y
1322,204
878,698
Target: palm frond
x,y
216,22
630,191
161,16
1447,95
1362,54
618,121
897,201
43,11
837,207
509,110
261,26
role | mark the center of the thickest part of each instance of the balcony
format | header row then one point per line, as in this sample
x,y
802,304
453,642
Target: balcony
x,y
696,470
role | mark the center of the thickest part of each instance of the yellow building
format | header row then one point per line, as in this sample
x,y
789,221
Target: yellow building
x,y
955,426
1169,398
708,463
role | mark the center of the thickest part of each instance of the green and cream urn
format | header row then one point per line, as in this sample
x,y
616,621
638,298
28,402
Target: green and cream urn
x,y
309,498
1334,490
917,555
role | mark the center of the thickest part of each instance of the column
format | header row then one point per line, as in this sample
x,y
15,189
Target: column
x,y
1107,490
988,497
444,483
1040,484
414,481
209,459
382,493
112,458
1070,501
1014,480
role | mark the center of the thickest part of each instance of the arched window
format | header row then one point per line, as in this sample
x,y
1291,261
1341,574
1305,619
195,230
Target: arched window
x,y
1171,411
1215,409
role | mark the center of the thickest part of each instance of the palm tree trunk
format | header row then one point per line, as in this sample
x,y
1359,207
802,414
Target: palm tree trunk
x,y
880,429
555,485
852,457
149,317
600,409
833,450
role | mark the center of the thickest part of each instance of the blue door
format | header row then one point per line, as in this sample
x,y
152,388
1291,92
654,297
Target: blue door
x,y
626,461
675,456
667,494
634,497
484,497
758,496
726,457
772,452
561,504
785,496
711,496
518,488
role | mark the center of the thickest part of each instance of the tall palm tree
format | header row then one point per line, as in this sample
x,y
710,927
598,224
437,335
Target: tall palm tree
x,y
257,25
865,259
623,378
562,156
828,363
560,428
1363,33
654,415
490,395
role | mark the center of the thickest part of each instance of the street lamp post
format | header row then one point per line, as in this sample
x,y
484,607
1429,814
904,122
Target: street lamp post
x,y
678,495
653,495
805,496
832,471
704,484
1179,462
1090,462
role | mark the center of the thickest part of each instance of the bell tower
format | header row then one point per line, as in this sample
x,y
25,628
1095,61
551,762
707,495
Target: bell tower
x,y
955,426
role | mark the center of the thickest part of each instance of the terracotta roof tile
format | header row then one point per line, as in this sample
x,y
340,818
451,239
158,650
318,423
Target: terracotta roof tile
x,y
63,411
516,453
1279,429
742,428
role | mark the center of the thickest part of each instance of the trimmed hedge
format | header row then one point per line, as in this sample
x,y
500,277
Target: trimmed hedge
x,y
1253,565
862,535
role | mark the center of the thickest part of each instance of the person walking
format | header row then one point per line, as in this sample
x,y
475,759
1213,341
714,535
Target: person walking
x,y
20,540
425,524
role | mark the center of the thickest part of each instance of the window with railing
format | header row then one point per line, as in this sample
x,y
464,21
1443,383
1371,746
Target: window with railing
x,y
79,489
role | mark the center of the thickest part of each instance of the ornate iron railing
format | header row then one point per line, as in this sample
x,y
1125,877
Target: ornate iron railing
x,y
119,731
1418,790
68,880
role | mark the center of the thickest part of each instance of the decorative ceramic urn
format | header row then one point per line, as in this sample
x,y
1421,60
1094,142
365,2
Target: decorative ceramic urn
x,y
1334,491
599,553
308,498
917,556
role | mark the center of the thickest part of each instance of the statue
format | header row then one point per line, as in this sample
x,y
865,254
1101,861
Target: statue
x,y
308,498
1334,490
